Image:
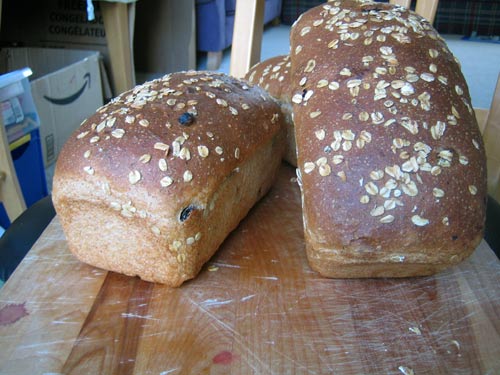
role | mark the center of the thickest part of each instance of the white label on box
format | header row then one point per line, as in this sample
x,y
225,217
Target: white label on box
x,y
8,113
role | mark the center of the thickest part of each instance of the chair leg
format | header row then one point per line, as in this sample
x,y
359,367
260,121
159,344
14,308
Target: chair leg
x,y
405,3
214,60
247,36
118,35
427,9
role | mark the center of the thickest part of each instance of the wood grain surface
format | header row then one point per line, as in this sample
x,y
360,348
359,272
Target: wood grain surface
x,y
256,308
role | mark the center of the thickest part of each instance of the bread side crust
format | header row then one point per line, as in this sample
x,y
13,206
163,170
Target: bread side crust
x,y
172,252
273,75
339,262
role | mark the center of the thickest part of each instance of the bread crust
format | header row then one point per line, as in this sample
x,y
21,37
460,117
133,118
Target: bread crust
x,y
153,183
273,75
390,157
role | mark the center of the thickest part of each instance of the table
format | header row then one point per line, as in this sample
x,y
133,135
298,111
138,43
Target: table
x,y
255,308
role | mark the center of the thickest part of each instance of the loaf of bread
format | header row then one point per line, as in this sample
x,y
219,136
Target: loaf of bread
x,y
391,161
273,75
154,181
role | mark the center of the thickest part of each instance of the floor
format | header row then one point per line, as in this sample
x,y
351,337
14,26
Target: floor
x,y
480,60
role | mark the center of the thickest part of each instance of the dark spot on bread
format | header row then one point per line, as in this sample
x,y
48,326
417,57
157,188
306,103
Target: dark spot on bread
x,y
186,212
186,119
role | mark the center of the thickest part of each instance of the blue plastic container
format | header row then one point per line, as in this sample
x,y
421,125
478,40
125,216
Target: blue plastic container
x,y
28,162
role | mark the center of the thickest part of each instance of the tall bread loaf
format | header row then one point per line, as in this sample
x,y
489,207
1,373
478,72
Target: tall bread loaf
x,y
391,160
153,183
273,75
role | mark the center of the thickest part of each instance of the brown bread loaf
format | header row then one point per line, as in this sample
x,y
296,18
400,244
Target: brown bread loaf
x,y
153,183
273,75
391,160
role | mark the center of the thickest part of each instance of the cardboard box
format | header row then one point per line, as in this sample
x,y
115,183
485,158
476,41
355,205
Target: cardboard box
x,y
56,24
164,40
66,88
53,24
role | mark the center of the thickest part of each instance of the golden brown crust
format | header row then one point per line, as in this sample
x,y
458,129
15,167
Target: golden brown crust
x,y
273,75
145,185
391,159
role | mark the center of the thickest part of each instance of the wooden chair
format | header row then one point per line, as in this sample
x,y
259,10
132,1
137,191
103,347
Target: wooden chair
x,y
248,26
426,8
10,191
118,17
247,36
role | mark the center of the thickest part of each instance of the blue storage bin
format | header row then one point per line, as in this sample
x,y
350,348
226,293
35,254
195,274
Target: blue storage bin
x,y
28,162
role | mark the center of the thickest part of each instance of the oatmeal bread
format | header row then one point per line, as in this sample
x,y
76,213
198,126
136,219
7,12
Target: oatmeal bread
x,y
153,182
390,157
273,75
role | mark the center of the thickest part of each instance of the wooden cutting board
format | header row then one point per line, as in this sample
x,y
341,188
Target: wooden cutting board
x,y
256,308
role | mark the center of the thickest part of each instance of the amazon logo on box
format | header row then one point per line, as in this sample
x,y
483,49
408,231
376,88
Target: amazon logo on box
x,y
72,97
66,88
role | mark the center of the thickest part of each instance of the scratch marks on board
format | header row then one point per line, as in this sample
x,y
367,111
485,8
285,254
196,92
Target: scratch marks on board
x,y
214,302
246,298
168,371
236,335
132,315
274,278
226,265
